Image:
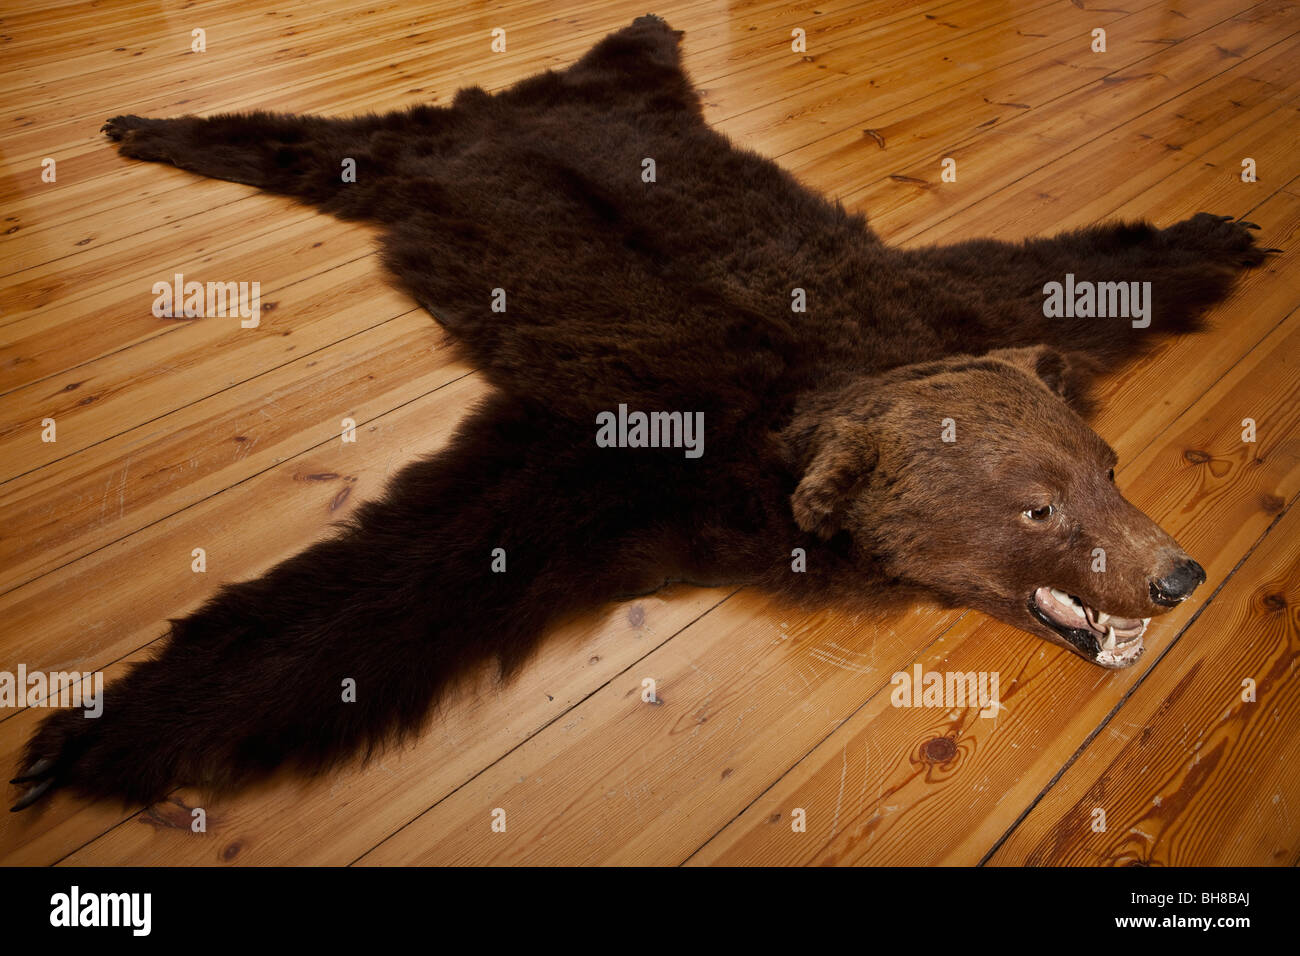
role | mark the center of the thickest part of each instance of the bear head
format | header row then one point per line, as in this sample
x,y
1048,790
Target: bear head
x,y
975,478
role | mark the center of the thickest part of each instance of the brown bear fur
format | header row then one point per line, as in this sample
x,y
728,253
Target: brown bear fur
x,y
822,429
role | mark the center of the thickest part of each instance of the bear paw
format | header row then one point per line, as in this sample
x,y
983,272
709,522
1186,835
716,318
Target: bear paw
x,y
137,136
50,755
1224,240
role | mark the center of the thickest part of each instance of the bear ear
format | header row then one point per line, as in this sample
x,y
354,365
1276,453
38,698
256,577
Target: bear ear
x,y
844,453
1067,374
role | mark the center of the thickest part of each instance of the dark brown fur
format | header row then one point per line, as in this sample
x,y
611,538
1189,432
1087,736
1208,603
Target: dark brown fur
x,y
822,429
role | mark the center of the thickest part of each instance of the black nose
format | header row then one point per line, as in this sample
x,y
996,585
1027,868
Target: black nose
x,y
1173,587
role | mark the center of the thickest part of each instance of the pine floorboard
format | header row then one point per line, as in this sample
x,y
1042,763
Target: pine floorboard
x,y
181,434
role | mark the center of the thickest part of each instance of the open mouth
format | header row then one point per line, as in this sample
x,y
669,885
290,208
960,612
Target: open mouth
x,y
1108,640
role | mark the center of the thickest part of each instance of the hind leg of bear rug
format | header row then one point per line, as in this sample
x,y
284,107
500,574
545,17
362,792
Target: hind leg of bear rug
x,y
401,603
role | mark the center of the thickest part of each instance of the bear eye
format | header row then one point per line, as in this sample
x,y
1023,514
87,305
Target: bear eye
x,y
1040,514
1111,475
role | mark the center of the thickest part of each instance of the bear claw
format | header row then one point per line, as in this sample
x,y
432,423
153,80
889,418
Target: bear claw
x,y
116,128
41,775
32,795
36,771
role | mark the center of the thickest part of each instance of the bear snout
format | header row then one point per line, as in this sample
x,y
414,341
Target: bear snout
x,y
1174,587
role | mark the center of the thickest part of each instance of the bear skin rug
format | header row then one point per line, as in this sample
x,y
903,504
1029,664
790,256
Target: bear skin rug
x,y
823,430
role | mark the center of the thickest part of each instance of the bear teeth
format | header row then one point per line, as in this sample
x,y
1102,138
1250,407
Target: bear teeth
x,y
1066,600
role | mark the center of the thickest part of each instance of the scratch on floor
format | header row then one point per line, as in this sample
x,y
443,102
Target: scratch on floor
x,y
840,660
103,502
121,491
1280,801
242,450
844,770
866,768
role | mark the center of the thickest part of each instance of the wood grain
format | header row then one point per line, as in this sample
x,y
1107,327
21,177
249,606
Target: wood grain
x,y
177,434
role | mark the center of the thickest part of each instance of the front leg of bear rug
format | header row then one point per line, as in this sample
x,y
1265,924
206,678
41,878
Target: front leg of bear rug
x,y
348,645
345,166
1108,289
381,167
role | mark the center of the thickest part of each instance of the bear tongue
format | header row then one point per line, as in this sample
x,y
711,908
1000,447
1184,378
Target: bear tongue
x,y
1060,609
1102,621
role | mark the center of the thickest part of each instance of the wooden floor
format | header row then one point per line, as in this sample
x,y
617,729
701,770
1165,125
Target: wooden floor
x,y
175,435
